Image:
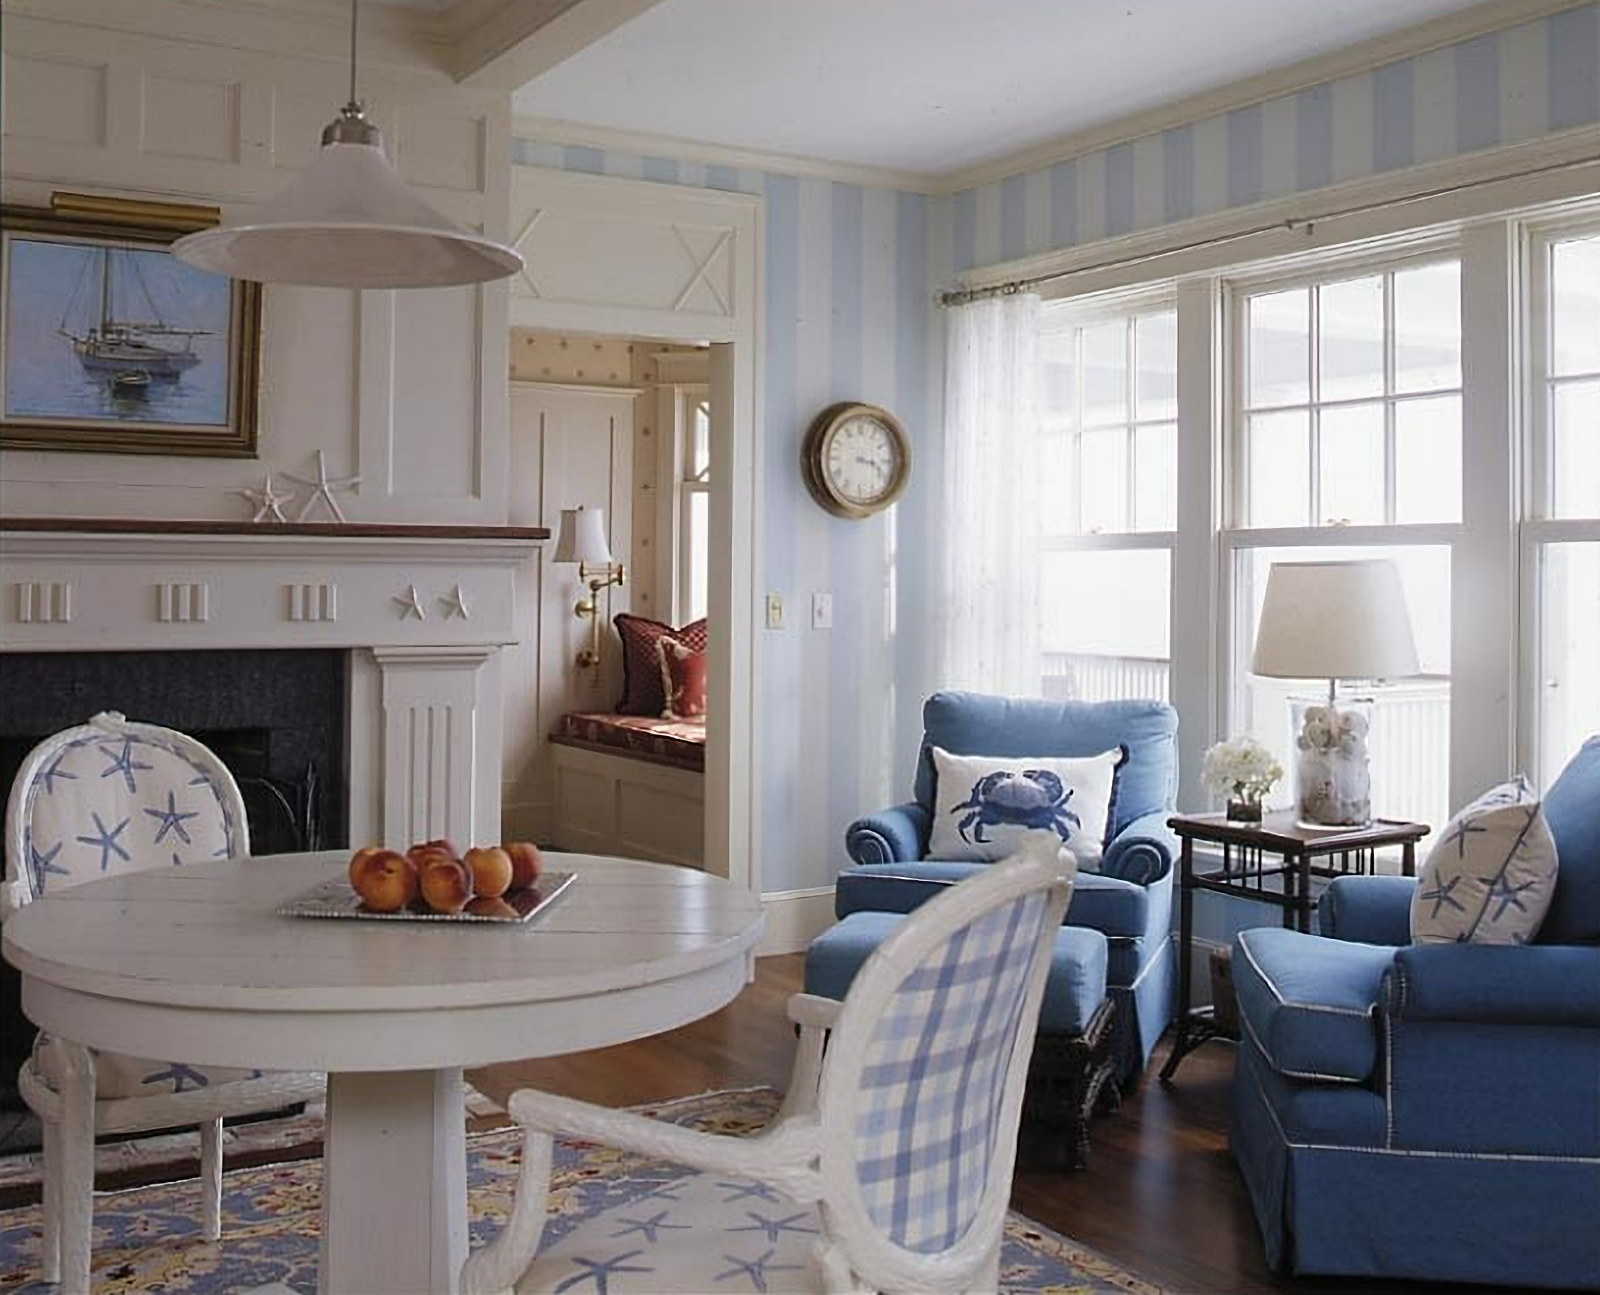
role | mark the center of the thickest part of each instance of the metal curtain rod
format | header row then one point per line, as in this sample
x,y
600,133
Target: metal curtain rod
x,y
962,296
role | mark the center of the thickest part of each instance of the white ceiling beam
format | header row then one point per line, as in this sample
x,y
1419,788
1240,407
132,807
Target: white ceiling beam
x,y
504,44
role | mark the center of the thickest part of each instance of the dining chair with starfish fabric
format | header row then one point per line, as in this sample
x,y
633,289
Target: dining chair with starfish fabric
x,y
108,797
889,1165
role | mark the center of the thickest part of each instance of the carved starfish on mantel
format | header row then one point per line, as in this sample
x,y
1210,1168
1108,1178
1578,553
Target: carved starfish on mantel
x,y
323,488
455,604
410,604
267,500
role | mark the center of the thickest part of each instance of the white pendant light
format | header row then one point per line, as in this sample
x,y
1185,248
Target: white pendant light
x,y
349,222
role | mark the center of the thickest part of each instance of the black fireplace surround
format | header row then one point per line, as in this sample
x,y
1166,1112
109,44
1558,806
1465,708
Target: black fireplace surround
x,y
276,718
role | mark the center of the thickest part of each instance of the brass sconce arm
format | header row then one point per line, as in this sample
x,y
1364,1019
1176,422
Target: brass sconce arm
x,y
598,577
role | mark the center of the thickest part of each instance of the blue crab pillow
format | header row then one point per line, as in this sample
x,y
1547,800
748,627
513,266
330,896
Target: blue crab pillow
x,y
985,806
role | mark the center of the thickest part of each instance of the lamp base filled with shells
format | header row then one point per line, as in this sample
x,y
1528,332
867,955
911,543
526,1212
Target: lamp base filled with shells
x,y
1333,779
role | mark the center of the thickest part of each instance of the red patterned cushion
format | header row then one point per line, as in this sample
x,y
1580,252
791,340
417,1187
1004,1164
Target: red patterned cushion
x,y
642,693
683,679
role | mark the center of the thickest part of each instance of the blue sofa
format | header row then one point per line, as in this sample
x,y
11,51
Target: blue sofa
x,y
1429,1111
1129,899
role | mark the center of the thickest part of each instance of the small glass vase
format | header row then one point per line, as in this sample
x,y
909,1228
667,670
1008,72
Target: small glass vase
x,y
1333,781
1244,809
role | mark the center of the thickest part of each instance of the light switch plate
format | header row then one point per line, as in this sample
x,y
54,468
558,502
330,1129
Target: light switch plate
x,y
821,611
774,611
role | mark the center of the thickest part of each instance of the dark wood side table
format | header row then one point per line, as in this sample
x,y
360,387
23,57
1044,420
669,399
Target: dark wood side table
x,y
1279,851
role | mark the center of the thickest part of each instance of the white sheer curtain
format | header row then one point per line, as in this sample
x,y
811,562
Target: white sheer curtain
x,y
989,603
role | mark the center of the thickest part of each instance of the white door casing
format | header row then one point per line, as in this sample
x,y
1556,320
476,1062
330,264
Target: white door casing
x,y
634,259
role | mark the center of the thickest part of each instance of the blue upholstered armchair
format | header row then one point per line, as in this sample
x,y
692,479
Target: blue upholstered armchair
x,y
1430,1111
1129,899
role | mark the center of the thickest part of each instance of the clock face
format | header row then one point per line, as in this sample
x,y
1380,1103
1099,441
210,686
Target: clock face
x,y
856,459
862,460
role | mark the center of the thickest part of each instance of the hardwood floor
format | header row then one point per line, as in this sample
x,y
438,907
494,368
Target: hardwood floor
x,y
1161,1195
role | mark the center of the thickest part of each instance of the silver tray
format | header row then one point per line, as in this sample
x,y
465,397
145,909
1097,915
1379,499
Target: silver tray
x,y
336,899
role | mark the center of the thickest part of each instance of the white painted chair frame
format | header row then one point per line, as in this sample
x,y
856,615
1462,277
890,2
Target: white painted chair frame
x,y
73,1117
809,1151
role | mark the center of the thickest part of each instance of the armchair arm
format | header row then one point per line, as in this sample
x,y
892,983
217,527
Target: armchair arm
x,y
1142,852
1368,910
895,835
1484,984
895,887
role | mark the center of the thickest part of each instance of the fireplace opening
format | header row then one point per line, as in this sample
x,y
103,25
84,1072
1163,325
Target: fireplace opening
x,y
275,718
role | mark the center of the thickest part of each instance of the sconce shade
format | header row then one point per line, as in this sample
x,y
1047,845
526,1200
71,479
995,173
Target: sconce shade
x,y
582,537
349,222
1334,620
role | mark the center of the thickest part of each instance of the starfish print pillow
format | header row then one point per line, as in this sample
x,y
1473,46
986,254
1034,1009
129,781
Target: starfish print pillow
x,y
1490,876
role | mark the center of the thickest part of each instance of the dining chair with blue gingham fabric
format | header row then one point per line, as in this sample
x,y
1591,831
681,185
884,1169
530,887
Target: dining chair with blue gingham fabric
x,y
897,1138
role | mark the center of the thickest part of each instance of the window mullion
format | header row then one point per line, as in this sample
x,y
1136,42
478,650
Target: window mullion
x,y
1389,448
1314,421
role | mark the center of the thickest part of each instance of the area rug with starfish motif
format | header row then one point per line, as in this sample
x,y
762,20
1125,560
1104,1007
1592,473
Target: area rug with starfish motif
x,y
148,1238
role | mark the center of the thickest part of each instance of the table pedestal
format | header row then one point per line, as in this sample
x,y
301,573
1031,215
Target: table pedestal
x,y
394,1186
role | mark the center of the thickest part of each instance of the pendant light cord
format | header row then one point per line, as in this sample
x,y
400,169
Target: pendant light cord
x,y
355,8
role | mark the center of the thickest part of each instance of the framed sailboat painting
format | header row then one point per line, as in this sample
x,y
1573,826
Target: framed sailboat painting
x,y
108,343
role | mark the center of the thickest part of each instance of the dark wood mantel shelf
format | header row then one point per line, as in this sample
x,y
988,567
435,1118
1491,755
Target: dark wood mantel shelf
x,y
352,530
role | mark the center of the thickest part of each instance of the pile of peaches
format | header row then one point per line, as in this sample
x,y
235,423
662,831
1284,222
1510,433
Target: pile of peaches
x,y
433,878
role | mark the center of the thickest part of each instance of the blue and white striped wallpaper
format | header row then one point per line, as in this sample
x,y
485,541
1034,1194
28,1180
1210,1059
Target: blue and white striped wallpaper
x,y
1513,85
848,310
851,272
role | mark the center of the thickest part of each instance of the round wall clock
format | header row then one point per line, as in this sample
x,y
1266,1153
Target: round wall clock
x,y
855,459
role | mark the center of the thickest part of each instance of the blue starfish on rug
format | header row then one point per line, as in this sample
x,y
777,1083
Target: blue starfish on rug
x,y
149,1238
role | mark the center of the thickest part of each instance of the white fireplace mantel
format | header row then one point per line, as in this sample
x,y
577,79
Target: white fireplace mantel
x,y
425,612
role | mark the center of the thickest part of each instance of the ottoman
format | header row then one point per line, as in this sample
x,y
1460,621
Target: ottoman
x,y
1072,1057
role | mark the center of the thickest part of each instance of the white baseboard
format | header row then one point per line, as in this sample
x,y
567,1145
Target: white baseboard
x,y
794,919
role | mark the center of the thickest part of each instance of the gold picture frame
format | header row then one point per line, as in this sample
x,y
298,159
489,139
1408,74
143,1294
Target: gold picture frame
x,y
110,344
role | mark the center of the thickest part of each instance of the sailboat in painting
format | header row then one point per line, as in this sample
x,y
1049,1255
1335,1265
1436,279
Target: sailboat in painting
x,y
127,351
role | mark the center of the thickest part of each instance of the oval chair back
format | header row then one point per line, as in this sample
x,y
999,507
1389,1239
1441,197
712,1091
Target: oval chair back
x,y
922,1085
115,796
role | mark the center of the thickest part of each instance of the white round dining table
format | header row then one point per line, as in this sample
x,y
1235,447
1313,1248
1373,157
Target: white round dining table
x,y
194,964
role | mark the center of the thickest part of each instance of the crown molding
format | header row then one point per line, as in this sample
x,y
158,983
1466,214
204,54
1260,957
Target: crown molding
x,y
554,130
1407,42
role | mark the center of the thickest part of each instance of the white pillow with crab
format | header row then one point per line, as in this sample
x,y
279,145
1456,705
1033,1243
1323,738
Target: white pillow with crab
x,y
985,806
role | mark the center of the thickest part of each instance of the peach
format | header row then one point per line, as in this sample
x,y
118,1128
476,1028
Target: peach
x,y
446,885
490,906
358,860
423,855
387,882
448,846
526,863
491,870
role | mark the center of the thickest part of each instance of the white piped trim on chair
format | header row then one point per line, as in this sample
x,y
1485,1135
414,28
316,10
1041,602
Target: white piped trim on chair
x,y
1244,943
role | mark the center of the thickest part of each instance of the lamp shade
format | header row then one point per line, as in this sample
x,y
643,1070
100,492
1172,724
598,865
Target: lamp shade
x,y
1334,620
349,222
582,537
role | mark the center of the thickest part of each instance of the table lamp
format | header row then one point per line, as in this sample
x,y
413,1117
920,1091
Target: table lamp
x,y
582,539
1334,620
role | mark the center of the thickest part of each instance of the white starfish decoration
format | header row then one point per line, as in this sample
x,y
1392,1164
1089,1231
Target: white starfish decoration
x,y
456,604
323,488
410,604
267,500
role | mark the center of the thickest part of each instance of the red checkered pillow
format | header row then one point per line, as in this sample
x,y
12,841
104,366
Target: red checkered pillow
x,y
642,693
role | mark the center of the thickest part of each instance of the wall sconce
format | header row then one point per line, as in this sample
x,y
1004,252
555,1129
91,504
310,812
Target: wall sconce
x,y
582,539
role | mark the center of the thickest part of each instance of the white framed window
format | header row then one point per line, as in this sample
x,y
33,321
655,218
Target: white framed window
x,y
693,503
1349,396
1109,408
1345,437
1560,537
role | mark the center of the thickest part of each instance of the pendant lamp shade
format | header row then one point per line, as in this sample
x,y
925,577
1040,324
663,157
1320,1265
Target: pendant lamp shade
x,y
349,221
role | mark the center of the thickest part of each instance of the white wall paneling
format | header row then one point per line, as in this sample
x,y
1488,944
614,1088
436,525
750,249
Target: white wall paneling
x,y
626,258
406,390
570,445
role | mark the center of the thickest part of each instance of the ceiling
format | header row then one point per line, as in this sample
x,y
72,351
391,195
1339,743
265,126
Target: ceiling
x,y
932,85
